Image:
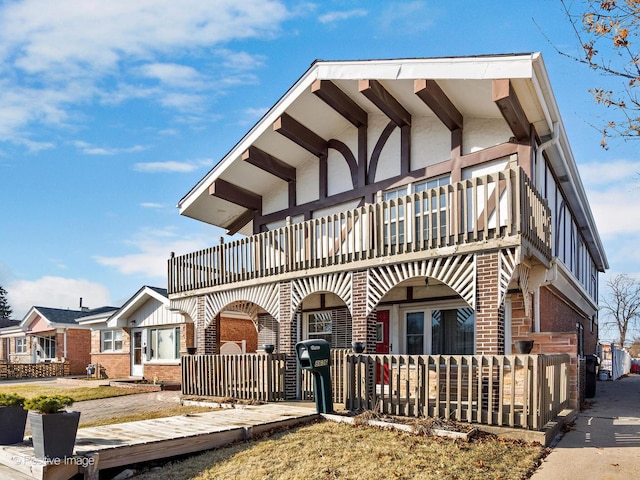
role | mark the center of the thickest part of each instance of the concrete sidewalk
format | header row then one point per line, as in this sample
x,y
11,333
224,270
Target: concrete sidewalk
x,y
605,441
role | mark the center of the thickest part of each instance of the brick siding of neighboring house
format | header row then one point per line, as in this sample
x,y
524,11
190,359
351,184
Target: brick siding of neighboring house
x,y
111,364
78,344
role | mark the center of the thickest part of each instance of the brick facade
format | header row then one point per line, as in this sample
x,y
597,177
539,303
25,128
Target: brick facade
x,y
489,312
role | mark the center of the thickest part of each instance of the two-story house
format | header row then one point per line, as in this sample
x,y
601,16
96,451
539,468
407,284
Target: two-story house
x,y
427,206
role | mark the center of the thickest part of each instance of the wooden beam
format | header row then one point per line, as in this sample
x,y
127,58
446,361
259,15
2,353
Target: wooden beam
x,y
432,95
269,164
298,133
240,222
235,194
505,98
342,103
381,98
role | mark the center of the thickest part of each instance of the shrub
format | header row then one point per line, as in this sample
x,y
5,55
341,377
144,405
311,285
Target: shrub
x,y
48,404
11,400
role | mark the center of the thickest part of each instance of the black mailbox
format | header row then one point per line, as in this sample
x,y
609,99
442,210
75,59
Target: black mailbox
x,y
315,356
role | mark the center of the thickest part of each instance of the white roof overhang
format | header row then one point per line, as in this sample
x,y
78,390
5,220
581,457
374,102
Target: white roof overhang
x,y
466,81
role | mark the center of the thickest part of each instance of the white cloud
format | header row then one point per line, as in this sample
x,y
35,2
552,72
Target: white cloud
x,y
55,292
618,172
400,17
56,56
89,149
151,205
172,166
154,247
344,15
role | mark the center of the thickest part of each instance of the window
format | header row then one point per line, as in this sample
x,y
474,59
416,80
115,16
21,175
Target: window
x,y
415,333
46,347
21,345
164,344
320,325
430,213
111,341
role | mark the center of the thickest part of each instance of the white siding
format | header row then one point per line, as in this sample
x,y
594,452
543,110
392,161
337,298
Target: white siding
x,y
154,312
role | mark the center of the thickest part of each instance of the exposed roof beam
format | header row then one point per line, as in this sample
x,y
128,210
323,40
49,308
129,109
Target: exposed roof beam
x,y
235,194
505,98
269,164
432,95
378,95
298,133
342,103
240,222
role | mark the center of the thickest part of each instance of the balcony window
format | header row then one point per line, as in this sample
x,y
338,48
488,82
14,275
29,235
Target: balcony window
x,y
111,341
428,213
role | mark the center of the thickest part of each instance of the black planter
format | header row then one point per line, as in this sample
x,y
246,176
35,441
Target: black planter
x,y
524,346
358,347
191,350
13,420
54,434
269,347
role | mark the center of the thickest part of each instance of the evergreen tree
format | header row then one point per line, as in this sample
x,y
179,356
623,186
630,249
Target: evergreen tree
x,y
5,308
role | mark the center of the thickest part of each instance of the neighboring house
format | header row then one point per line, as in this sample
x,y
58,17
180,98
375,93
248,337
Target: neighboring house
x,y
142,339
52,335
421,206
8,325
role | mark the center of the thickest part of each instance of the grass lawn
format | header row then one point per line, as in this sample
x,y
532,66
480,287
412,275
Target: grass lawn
x,y
77,393
328,450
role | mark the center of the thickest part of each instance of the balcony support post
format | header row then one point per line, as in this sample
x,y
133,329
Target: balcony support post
x,y
490,332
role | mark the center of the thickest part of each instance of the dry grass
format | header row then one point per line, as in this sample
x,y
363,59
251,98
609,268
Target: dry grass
x,y
78,394
177,410
329,450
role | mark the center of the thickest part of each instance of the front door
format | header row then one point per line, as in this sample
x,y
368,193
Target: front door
x,y
137,352
382,331
382,345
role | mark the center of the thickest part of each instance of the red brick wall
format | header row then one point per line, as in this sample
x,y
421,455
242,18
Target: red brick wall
x,y
163,373
112,365
238,329
78,350
489,315
556,315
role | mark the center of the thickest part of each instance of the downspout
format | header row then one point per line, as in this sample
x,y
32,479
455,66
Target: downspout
x,y
64,350
539,164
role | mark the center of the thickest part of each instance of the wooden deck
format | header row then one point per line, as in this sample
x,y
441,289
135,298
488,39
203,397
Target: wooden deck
x,y
127,443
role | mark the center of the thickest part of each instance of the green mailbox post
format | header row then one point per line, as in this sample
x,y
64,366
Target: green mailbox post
x,y
315,356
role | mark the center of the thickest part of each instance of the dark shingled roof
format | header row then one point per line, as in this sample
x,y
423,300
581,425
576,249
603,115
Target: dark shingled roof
x,y
60,315
161,291
7,322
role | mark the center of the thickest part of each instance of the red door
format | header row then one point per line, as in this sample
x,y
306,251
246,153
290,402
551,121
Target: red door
x,y
382,331
382,345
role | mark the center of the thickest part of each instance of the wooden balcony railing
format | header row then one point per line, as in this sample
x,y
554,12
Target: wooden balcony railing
x,y
494,206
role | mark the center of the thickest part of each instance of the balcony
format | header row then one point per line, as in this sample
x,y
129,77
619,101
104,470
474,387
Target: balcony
x,y
492,211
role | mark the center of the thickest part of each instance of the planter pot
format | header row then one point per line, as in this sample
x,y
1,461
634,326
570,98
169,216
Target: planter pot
x,y
524,346
191,350
13,420
269,347
54,434
358,347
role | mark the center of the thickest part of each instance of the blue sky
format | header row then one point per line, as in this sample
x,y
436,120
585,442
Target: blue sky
x,y
111,111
